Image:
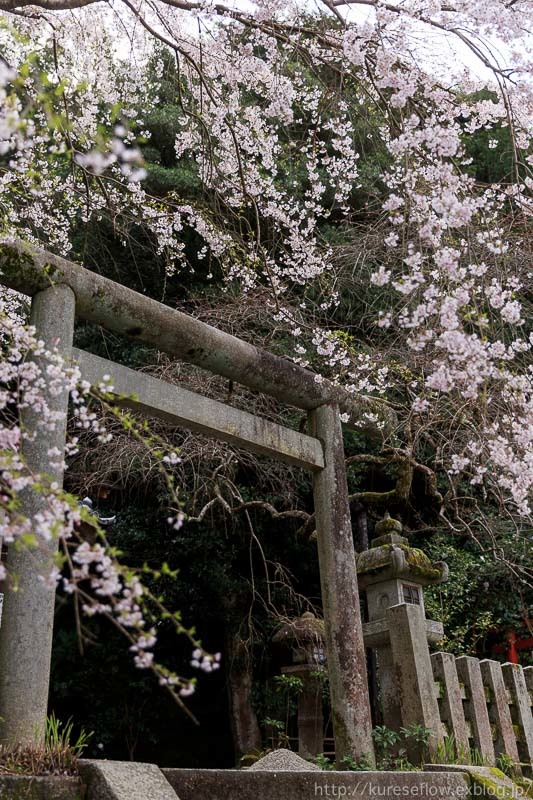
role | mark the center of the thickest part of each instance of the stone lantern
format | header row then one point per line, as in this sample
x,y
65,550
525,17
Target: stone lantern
x,y
391,573
305,635
87,530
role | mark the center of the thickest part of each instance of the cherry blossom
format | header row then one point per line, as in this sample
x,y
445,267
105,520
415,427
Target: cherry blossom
x,y
270,120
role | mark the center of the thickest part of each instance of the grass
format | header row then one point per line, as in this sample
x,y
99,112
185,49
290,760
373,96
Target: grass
x,y
58,755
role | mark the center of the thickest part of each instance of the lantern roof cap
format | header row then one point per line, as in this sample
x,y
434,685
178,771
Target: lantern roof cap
x,y
388,525
306,628
391,557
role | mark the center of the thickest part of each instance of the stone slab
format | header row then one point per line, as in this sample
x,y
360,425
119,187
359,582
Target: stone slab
x,y
49,787
485,782
231,784
124,780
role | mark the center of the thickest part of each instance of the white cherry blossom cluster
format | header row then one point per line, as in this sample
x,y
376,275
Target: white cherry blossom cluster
x,y
205,661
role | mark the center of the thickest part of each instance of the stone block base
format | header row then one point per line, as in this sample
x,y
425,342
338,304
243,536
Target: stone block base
x,y
229,784
49,787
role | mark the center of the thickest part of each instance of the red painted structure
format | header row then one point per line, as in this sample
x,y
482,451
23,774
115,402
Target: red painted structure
x,y
513,644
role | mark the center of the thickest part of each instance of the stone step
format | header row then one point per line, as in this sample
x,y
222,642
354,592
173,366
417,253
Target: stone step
x,y
124,780
233,784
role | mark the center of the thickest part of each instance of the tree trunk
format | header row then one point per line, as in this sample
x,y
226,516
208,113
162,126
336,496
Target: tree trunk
x,y
244,724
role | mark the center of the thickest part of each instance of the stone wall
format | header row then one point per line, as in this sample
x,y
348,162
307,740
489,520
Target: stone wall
x,y
24,787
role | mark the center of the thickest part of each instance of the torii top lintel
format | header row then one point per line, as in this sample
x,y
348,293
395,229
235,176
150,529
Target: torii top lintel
x,y
99,300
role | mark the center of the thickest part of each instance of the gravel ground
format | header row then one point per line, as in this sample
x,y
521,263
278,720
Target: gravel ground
x,y
283,761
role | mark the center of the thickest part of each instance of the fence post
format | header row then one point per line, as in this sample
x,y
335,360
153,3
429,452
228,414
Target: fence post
x,y
350,702
528,677
498,707
28,612
476,711
416,685
515,680
445,671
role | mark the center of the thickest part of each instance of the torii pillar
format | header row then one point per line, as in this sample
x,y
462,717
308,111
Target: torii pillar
x,y
28,609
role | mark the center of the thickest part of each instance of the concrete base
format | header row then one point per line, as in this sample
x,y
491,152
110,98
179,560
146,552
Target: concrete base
x,y
52,787
124,780
231,784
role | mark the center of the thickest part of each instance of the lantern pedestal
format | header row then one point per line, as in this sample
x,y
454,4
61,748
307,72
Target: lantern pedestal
x,y
305,635
393,574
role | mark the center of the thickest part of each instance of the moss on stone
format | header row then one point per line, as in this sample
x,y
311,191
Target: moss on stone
x,y
501,788
378,558
19,261
388,525
526,784
306,628
420,562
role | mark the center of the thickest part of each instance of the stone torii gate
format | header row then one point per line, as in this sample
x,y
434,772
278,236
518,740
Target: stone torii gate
x,y
62,291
